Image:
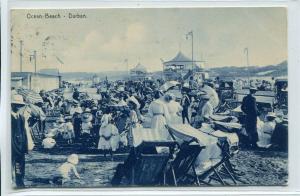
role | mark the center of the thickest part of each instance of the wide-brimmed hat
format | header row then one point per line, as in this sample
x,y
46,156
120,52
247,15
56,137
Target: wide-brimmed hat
x,y
17,99
73,158
68,117
271,114
50,134
87,110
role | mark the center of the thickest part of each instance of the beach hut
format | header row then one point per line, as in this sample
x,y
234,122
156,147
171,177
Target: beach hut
x,y
35,81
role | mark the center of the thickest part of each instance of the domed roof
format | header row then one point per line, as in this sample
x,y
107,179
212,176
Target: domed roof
x,y
182,59
139,67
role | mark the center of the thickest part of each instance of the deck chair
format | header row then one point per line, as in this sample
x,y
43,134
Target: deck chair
x,y
220,170
144,166
179,170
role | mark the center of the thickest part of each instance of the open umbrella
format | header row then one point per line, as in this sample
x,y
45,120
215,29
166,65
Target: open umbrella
x,y
30,95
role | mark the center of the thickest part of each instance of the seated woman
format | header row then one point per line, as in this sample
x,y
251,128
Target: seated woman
x,y
266,131
207,109
174,109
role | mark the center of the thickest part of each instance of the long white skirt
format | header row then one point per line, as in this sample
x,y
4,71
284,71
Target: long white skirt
x,y
175,119
109,138
158,125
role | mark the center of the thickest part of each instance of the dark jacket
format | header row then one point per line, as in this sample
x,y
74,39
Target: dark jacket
x,y
249,106
185,102
18,134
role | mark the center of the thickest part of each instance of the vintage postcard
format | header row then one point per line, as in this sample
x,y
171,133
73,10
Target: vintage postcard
x,y
149,97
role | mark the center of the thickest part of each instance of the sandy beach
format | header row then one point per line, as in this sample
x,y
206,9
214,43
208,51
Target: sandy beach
x,y
253,167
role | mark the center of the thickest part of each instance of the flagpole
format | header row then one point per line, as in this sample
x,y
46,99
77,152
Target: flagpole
x,y
247,59
192,36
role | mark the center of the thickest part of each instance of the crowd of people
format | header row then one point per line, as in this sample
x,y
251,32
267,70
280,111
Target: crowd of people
x,y
121,109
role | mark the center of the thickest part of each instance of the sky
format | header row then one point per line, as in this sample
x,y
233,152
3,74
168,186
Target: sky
x,y
106,37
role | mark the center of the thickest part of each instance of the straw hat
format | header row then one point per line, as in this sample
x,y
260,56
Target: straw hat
x,y
68,117
87,110
271,114
252,88
73,158
17,99
51,133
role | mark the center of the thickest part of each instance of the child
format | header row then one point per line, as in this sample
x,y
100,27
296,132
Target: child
x,y
86,125
109,135
68,133
66,169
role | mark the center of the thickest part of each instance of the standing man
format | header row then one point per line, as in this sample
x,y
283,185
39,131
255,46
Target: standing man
x,y
21,140
249,107
76,94
185,103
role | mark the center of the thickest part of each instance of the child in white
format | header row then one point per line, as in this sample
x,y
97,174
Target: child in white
x,y
68,133
67,168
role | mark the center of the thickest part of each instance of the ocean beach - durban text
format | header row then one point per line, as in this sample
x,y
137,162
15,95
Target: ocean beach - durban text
x,y
55,16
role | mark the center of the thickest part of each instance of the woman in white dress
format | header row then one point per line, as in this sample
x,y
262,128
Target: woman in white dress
x,y
174,109
266,131
158,111
133,123
109,135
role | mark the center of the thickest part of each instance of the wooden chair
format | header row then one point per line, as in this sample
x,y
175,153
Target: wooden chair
x,y
144,165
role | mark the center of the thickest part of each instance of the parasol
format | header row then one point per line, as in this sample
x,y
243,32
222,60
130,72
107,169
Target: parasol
x,y
30,95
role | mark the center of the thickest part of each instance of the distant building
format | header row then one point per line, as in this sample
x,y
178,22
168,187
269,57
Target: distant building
x,y
181,67
54,72
139,72
35,81
96,79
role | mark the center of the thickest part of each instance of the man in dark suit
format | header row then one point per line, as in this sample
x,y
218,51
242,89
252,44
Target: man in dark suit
x,y
249,107
185,103
19,140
